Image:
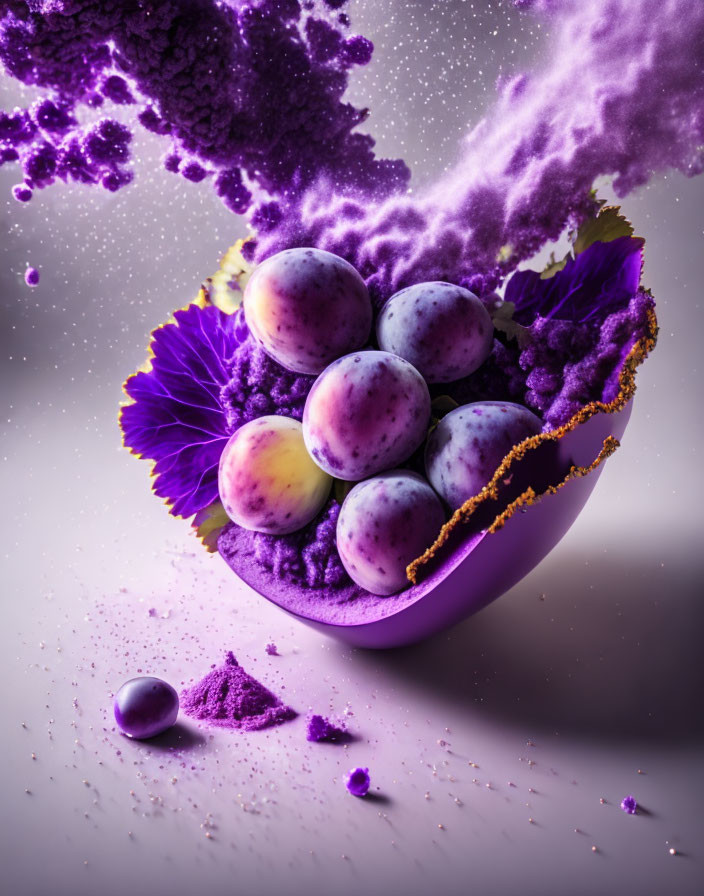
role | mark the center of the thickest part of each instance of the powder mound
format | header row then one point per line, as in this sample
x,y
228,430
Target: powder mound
x,y
307,557
228,697
259,386
321,730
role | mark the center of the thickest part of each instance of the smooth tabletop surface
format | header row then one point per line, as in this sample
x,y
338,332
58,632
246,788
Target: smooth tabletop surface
x,y
499,751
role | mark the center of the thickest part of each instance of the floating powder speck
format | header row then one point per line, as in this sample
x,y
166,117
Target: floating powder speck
x,y
629,805
230,698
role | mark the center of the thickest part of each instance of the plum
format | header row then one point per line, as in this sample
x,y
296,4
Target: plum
x,y
366,412
384,524
442,329
307,307
267,480
465,449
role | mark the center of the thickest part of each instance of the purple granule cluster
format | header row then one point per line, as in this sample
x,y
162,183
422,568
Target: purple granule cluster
x,y
260,386
629,805
500,378
321,730
570,364
308,557
358,781
230,698
251,90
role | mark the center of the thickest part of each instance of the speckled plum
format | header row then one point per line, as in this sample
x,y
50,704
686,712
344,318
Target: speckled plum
x,y
468,445
267,480
442,329
307,307
384,524
366,412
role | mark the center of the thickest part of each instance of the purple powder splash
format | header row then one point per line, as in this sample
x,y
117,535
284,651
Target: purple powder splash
x,y
250,91
357,781
621,94
272,649
629,805
230,698
321,730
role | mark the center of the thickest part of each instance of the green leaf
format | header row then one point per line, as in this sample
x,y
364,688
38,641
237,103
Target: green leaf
x,y
608,225
554,266
502,317
209,523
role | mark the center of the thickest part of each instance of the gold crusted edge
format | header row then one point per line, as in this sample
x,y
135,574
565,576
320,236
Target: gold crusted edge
x,y
627,388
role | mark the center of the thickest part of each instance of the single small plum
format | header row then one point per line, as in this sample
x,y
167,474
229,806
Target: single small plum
x,y
384,524
442,329
307,307
467,446
366,412
145,707
267,480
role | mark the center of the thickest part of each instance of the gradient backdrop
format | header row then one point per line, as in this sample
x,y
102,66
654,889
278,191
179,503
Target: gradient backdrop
x,y
583,684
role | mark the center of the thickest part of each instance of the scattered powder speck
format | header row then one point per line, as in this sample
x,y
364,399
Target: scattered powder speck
x,y
629,805
272,649
31,276
357,781
321,729
230,698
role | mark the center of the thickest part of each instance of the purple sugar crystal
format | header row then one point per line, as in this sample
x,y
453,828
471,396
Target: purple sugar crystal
x,y
357,781
228,697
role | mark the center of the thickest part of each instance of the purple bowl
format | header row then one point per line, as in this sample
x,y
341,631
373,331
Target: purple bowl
x,y
467,577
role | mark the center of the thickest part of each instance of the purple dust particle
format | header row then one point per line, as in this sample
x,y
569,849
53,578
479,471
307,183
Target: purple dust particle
x,y
194,172
272,649
357,781
31,276
321,729
22,193
629,805
230,698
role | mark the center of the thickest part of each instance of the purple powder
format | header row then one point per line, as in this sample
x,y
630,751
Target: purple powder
x,y
321,730
629,805
31,276
272,649
230,698
357,781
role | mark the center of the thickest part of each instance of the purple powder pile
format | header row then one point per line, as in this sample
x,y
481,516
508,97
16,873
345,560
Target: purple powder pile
x,y
629,805
272,649
321,730
357,781
230,698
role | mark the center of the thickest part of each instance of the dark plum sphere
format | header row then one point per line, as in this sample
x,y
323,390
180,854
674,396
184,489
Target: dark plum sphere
x,y
366,412
384,524
443,330
307,307
145,707
467,446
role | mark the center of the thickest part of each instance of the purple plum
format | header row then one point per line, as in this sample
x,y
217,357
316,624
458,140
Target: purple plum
x,y
384,524
145,707
366,412
468,445
307,307
267,480
442,329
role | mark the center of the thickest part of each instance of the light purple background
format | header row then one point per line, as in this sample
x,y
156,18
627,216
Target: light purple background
x,y
595,658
